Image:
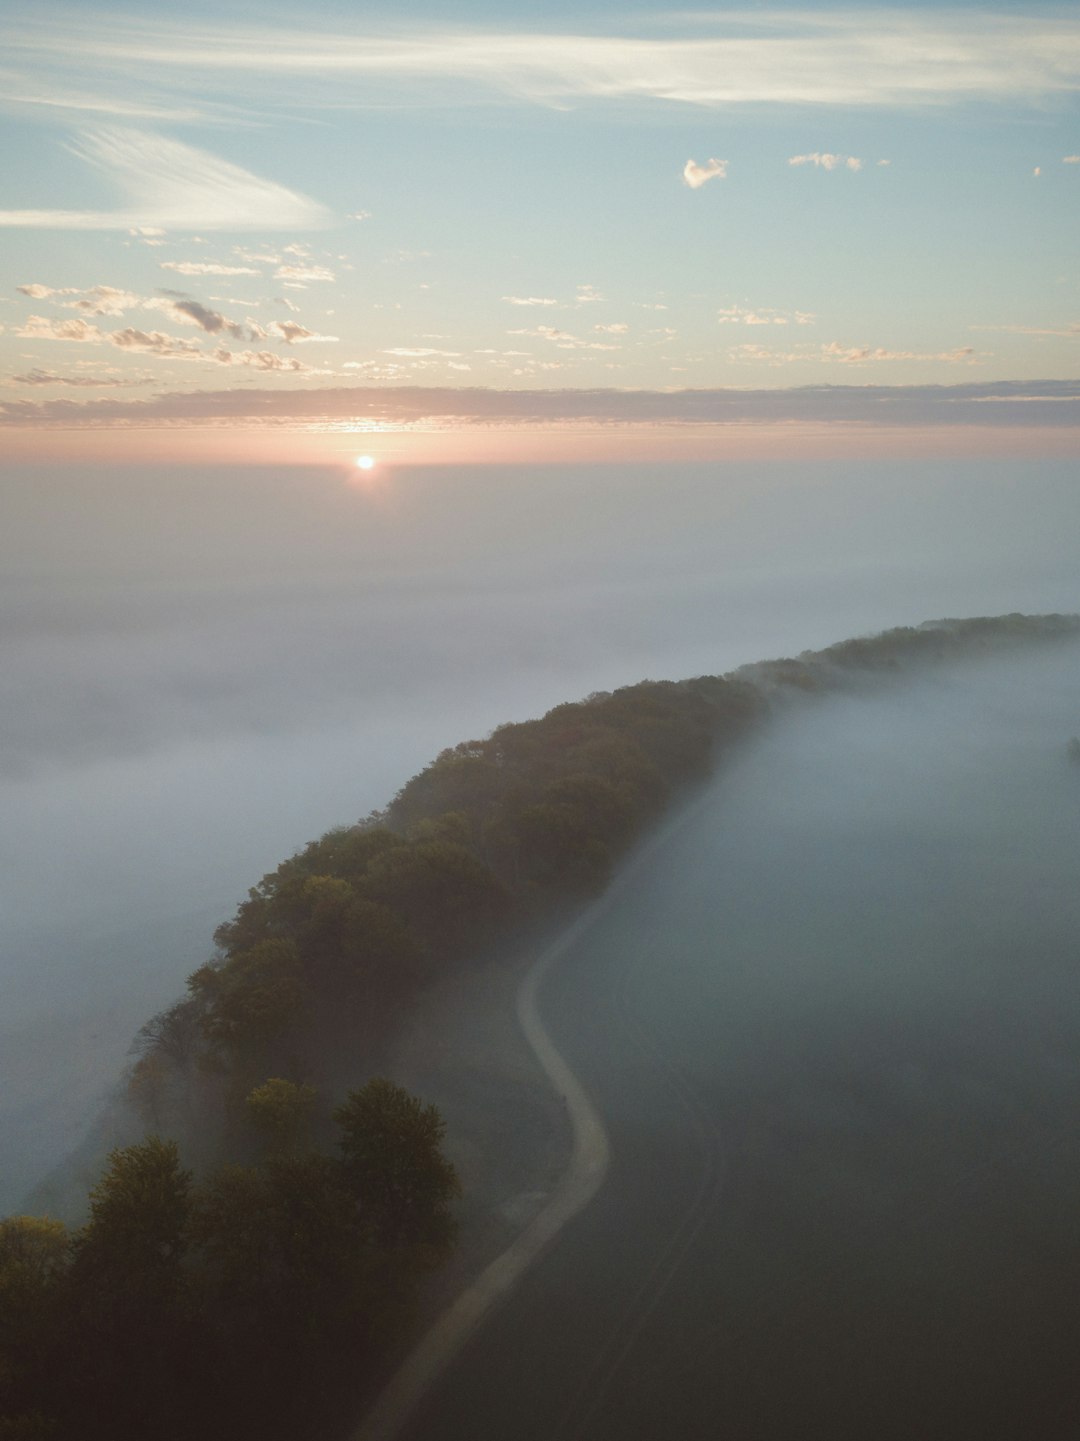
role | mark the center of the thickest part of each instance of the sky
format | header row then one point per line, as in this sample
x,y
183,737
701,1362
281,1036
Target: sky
x,y
253,233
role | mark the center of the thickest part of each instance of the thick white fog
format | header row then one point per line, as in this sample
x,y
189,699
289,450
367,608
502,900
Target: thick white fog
x,y
201,673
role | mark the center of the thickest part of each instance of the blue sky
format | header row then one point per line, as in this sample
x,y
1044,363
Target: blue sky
x,y
369,200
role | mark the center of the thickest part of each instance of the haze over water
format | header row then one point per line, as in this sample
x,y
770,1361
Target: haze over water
x,y
204,671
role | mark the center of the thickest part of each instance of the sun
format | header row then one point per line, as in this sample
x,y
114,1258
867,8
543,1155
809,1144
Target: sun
x,y
365,462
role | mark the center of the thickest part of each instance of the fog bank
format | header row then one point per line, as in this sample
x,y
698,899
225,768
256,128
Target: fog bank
x,y
202,672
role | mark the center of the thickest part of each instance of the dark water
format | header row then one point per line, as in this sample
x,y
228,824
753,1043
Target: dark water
x,y
835,1031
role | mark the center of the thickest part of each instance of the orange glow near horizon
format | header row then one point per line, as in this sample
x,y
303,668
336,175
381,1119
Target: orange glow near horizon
x,y
549,444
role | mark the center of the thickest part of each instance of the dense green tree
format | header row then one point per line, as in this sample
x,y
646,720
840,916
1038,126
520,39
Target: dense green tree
x,y
252,999
392,1158
282,1112
34,1260
138,1218
131,1329
449,898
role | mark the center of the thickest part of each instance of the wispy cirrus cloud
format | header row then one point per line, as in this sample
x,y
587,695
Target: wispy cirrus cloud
x,y
793,57
168,185
88,382
860,354
696,175
418,352
836,353
1070,330
988,404
563,339
529,300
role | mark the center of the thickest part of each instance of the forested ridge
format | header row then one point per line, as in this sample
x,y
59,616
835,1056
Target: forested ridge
x,y
248,1263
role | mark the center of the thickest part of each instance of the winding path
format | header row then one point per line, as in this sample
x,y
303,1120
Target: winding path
x,y
584,1176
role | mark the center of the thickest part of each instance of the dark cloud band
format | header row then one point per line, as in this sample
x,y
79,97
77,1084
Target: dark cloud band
x,y
1000,403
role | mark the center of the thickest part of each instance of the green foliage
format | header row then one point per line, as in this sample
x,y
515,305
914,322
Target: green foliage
x,y
137,1232
245,1306
34,1261
283,1253
282,1112
451,899
251,1000
393,1162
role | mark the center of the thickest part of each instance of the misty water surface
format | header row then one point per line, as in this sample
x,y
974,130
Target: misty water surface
x,y
203,672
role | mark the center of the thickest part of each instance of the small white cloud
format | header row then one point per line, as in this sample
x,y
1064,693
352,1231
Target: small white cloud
x,y
696,175
257,360
529,300
38,327
303,272
262,256
152,342
359,215
884,162
1037,170
620,328
417,352
205,267
105,300
1070,160
42,292
825,160
293,334
587,295
740,315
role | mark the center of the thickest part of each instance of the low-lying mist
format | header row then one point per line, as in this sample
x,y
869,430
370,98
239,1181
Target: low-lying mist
x,y
202,672
861,960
